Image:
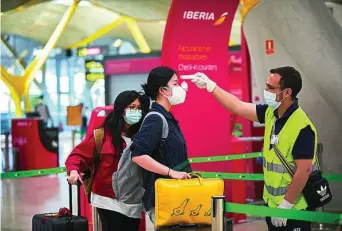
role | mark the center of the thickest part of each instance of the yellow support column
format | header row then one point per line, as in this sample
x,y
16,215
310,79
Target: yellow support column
x,y
231,43
39,61
101,32
19,86
12,82
247,5
132,26
21,63
18,59
16,87
137,35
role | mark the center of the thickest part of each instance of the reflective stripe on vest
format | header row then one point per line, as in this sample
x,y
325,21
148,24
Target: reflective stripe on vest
x,y
276,191
279,168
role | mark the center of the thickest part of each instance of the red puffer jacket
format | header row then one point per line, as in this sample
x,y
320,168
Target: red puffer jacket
x,y
81,158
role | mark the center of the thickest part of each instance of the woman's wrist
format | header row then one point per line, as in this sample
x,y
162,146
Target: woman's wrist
x,y
74,170
168,172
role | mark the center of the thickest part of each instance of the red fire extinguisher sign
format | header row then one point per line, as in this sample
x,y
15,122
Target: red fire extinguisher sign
x,y
269,45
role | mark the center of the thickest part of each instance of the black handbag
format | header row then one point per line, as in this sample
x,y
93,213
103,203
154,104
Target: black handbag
x,y
316,190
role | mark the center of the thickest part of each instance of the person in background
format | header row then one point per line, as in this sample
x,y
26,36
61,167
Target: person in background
x,y
286,126
43,111
160,158
84,120
120,126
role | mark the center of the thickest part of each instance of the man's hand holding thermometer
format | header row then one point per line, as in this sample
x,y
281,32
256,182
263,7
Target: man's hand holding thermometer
x,y
201,80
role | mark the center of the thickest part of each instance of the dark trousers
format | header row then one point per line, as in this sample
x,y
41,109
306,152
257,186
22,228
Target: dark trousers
x,y
291,225
114,221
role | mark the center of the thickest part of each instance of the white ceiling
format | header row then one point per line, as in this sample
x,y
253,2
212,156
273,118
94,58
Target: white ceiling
x,y
38,21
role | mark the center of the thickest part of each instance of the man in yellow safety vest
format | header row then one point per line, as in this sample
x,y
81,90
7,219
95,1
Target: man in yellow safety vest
x,y
286,126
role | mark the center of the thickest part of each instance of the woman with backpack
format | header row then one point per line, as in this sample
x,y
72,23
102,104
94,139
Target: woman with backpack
x,y
158,156
119,127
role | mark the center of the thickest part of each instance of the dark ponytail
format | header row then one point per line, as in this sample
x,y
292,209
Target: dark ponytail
x,y
147,92
158,77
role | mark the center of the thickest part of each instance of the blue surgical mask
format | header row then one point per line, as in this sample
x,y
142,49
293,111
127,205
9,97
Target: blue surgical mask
x,y
270,100
133,116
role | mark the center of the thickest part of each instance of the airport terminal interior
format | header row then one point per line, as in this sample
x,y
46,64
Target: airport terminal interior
x,y
64,62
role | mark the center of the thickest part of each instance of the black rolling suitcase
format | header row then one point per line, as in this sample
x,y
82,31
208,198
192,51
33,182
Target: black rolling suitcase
x,y
63,220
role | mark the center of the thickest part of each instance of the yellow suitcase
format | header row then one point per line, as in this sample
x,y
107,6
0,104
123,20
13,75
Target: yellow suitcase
x,y
185,201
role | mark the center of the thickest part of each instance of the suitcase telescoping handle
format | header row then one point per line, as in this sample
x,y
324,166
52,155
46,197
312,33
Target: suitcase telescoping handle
x,y
78,185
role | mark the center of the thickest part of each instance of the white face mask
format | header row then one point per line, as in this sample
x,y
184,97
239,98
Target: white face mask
x,y
178,95
270,99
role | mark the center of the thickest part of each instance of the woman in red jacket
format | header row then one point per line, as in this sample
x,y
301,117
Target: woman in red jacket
x,y
119,127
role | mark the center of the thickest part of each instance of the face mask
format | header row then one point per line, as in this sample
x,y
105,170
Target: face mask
x,y
270,99
133,117
178,95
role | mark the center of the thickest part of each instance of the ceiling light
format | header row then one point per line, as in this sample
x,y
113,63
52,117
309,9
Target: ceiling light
x,y
117,43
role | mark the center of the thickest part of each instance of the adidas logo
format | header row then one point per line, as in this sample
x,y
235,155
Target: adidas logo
x,y
323,191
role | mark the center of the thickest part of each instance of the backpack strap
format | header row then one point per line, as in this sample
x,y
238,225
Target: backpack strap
x,y
98,136
165,128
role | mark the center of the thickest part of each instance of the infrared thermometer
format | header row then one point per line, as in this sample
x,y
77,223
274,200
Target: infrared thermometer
x,y
188,77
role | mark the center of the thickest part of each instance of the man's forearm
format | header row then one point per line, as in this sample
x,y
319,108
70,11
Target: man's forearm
x,y
296,187
229,101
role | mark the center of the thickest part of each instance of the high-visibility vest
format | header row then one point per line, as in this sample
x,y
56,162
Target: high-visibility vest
x,y
276,178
